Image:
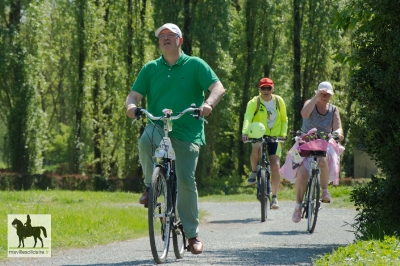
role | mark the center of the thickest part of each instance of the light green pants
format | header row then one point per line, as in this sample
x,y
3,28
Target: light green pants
x,y
187,154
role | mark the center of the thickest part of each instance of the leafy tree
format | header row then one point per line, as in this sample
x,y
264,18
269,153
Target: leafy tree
x,y
375,89
313,39
67,66
16,91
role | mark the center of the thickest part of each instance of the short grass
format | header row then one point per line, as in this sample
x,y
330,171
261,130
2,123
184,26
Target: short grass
x,y
79,219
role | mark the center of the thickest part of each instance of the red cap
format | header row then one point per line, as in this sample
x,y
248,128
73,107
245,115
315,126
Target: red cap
x,y
264,82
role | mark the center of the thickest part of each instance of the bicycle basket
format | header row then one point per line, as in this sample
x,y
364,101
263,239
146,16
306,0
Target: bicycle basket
x,y
313,148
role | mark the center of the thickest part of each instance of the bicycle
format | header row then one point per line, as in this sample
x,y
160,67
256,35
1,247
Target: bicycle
x,y
163,216
264,173
311,200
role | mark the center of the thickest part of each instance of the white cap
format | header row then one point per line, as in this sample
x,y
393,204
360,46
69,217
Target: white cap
x,y
171,27
326,85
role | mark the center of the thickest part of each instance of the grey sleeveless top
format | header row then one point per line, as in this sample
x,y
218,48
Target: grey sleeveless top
x,y
323,123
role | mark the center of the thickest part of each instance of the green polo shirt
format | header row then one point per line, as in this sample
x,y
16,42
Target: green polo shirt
x,y
177,87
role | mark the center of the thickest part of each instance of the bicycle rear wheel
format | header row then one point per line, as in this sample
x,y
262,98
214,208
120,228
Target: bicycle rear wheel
x,y
159,222
178,236
313,202
262,194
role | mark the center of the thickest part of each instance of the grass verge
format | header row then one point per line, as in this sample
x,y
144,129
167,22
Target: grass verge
x,y
370,252
79,219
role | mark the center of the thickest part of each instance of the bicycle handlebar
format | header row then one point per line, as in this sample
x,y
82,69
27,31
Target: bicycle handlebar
x,y
168,115
334,134
266,139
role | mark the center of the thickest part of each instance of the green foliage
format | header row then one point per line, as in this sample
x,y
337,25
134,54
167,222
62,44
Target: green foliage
x,y
67,66
375,88
58,144
377,217
384,252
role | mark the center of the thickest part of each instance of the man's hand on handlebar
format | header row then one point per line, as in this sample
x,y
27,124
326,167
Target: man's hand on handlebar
x,y
130,112
205,110
245,137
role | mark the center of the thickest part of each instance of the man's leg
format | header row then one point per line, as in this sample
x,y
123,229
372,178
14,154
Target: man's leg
x,y
187,155
148,142
275,180
254,159
275,176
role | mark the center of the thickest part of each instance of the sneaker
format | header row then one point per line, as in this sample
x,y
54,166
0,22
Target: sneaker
x,y
296,217
326,197
252,178
274,204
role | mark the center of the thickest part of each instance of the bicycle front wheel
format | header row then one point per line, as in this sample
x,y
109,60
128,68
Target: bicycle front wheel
x,y
178,235
313,202
158,219
262,194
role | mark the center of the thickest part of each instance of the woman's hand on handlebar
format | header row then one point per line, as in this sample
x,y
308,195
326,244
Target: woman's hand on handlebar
x,y
245,137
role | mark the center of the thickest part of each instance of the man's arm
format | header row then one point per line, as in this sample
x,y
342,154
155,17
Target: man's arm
x,y
132,101
216,92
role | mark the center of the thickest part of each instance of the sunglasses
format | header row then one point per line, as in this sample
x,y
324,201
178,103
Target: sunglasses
x,y
266,88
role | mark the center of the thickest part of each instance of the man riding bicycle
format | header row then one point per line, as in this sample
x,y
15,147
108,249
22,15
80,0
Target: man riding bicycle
x,y
175,81
270,110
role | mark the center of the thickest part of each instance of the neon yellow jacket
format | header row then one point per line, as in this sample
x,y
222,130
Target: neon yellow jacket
x,y
281,124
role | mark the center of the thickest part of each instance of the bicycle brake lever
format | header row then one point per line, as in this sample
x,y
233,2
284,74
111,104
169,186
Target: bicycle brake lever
x,y
197,116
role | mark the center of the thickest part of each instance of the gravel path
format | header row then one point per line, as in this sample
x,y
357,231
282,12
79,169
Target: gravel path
x,y
233,235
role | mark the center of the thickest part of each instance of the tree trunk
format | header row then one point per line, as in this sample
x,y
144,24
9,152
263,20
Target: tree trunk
x,y
80,27
297,99
250,27
17,123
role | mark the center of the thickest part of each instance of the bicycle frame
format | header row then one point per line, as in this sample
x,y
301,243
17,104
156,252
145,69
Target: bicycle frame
x,y
163,215
311,204
265,164
264,174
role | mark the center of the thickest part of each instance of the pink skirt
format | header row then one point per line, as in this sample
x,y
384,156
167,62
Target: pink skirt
x,y
333,153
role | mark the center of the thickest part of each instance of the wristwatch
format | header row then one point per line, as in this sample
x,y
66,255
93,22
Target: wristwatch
x,y
209,103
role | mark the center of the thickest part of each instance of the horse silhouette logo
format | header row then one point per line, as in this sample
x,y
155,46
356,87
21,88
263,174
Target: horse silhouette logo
x,y
37,226
24,231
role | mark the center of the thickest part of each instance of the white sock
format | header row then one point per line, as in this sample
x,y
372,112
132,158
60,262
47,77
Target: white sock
x,y
298,205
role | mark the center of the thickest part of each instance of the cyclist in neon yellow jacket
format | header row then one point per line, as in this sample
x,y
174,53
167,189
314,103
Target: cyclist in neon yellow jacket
x,y
270,110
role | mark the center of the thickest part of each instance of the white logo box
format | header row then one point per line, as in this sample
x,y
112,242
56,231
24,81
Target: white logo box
x,y
41,225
